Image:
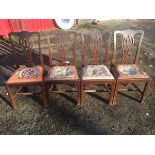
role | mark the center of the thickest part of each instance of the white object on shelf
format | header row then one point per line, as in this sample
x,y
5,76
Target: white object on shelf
x,y
65,23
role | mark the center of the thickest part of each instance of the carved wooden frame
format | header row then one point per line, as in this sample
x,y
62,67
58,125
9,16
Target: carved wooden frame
x,y
24,42
127,44
62,43
95,43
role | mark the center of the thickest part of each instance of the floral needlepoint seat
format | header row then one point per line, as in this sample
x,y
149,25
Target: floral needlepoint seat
x,y
91,72
27,72
26,75
130,71
63,73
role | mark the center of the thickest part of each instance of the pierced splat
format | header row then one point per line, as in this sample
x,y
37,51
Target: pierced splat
x,y
63,43
95,44
27,49
22,41
127,43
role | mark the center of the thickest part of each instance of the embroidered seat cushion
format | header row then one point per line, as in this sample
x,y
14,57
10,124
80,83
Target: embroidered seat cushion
x,y
130,71
62,73
91,72
26,74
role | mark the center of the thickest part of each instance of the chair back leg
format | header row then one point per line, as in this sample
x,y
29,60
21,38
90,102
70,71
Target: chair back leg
x,y
78,87
145,91
44,95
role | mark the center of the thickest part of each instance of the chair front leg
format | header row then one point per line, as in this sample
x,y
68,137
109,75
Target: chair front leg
x,y
82,92
78,87
111,94
10,94
44,95
115,93
145,91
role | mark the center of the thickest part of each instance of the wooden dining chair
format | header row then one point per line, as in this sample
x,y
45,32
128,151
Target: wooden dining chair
x,y
95,60
62,62
26,74
125,66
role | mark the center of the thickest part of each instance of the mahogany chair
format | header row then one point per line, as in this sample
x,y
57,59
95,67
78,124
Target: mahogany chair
x,y
62,60
26,75
95,71
126,70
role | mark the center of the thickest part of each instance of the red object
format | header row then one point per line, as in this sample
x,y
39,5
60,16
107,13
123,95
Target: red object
x,y
17,25
37,24
4,27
